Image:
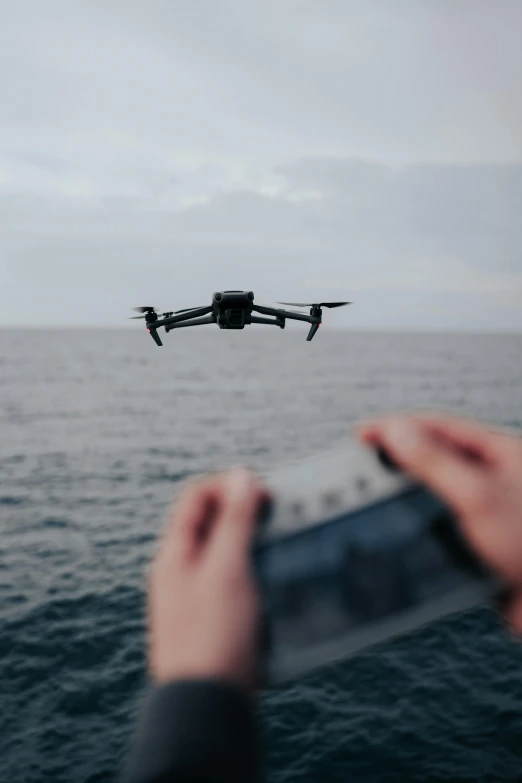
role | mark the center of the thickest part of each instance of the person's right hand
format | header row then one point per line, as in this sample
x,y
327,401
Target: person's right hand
x,y
478,472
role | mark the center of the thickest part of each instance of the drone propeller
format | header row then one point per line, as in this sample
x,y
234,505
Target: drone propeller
x,y
145,310
315,304
149,311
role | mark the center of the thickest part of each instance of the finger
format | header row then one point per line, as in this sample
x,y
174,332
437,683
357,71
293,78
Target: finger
x,y
191,518
475,440
479,440
235,526
428,459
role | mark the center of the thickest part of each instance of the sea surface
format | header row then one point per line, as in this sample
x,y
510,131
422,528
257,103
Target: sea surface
x,y
97,430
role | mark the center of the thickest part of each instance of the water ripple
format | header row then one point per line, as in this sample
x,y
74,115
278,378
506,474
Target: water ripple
x,y
89,460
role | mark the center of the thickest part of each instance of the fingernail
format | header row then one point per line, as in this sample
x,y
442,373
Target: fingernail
x,y
403,435
365,424
239,482
361,428
367,434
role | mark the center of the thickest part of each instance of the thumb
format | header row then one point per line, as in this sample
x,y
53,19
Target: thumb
x,y
429,459
235,526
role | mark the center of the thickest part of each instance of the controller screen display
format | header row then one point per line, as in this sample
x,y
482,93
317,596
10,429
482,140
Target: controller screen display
x,y
334,588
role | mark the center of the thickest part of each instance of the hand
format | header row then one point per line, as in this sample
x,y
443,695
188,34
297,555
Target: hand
x,y
478,472
203,605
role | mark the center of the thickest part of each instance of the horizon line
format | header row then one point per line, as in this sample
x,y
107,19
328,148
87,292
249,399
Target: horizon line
x,y
351,330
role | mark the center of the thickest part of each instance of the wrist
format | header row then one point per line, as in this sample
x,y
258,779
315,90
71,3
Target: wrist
x,y
165,673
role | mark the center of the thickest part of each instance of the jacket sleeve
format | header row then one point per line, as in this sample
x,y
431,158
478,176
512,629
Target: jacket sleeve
x,y
196,731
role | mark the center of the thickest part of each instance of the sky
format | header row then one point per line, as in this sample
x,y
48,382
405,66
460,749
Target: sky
x,y
154,152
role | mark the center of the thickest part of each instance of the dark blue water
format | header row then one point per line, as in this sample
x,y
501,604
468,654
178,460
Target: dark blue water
x,y
98,428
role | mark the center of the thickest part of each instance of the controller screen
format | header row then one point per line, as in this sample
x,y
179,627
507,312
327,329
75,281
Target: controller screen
x,y
390,558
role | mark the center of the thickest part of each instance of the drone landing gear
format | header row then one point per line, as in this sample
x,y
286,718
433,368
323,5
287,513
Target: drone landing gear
x,y
316,312
313,330
154,334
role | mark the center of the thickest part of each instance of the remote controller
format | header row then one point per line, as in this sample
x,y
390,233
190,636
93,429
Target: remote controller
x,y
350,552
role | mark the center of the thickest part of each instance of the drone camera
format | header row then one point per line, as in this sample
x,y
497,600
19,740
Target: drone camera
x,y
235,319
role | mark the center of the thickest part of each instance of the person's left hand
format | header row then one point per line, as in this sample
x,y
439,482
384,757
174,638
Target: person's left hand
x,y
203,604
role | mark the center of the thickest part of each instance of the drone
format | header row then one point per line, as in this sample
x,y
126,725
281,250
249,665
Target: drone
x,y
232,310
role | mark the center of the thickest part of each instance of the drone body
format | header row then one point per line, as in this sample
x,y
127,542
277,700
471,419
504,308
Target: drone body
x,y
232,310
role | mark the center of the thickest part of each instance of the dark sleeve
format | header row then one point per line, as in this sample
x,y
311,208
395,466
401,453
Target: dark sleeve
x,y
196,732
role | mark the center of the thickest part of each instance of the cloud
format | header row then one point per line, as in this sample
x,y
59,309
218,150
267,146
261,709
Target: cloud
x,y
458,211
369,231
266,80
336,147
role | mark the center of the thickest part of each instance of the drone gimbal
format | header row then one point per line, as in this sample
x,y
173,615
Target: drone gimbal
x,y
232,310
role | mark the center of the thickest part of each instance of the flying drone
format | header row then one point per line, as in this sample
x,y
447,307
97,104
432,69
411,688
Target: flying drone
x,y
232,310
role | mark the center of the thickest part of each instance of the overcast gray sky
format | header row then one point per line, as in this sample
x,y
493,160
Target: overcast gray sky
x,y
157,150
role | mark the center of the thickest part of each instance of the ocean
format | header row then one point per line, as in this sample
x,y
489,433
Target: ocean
x,y
97,430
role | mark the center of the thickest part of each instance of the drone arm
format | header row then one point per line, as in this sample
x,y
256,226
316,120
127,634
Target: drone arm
x,y
187,316
280,313
255,320
209,319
